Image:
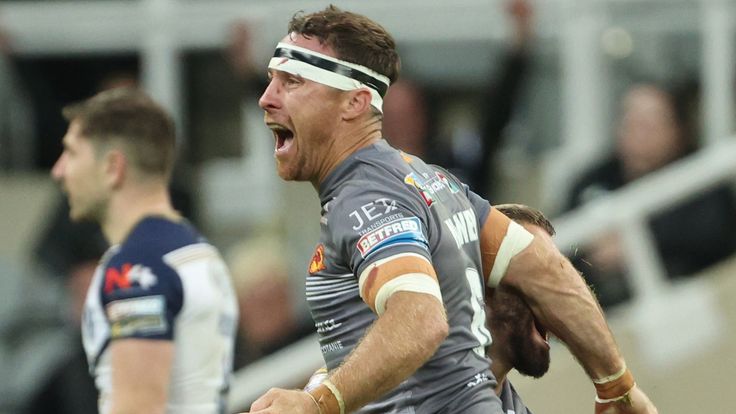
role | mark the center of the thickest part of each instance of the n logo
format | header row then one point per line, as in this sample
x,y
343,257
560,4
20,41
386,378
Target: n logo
x,y
115,279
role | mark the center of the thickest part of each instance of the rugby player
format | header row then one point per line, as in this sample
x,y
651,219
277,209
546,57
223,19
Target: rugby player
x,y
396,283
159,319
519,341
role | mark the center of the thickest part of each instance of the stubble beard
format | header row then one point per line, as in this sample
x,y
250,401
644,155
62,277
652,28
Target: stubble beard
x,y
529,358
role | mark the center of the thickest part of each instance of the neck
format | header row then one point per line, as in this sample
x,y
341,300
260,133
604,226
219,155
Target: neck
x,y
500,369
346,143
130,205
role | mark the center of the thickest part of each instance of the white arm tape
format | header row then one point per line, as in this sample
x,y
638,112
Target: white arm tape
x,y
410,282
364,274
515,240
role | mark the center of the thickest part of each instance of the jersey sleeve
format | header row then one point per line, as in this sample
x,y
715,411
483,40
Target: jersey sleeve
x,y
500,240
481,206
383,234
141,296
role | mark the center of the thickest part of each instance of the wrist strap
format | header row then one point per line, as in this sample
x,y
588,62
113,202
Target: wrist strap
x,y
626,398
316,379
612,377
615,387
319,409
328,398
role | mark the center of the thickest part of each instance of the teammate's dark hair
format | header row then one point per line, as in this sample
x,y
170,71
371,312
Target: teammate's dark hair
x,y
522,214
131,118
355,38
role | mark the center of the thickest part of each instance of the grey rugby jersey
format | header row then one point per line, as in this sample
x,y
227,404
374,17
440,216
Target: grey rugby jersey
x,y
378,203
511,400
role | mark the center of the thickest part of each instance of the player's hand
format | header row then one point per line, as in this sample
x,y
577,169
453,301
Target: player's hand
x,y
636,403
278,401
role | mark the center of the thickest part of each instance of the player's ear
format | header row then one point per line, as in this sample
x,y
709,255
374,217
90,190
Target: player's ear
x,y
116,166
357,103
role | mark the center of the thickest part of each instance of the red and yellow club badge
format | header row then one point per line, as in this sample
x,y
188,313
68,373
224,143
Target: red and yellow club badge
x,y
318,260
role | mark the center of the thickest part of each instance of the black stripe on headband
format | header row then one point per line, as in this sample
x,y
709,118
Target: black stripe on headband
x,y
335,67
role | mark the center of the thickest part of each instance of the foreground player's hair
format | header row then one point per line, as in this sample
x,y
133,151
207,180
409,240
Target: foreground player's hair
x,y
132,120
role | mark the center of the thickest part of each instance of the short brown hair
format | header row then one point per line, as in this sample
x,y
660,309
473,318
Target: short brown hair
x,y
521,214
354,37
130,117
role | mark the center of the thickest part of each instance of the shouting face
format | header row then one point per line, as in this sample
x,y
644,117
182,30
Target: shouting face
x,y
303,116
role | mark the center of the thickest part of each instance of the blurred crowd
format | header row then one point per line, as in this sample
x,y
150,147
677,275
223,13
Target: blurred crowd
x,y
657,125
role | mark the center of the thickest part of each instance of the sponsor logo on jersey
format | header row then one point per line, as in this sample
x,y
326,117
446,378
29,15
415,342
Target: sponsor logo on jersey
x,y
405,229
463,226
477,380
331,347
380,222
372,211
431,187
144,315
413,180
454,188
318,260
327,326
127,276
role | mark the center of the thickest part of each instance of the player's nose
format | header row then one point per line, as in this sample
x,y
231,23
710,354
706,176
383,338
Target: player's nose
x,y
271,98
57,171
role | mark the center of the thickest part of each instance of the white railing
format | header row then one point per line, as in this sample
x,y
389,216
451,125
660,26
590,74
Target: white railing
x,y
628,209
282,369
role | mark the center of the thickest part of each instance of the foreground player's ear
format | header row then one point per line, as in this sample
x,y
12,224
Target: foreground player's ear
x,y
357,103
115,167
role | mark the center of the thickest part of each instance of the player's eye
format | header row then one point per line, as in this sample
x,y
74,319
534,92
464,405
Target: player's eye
x,y
293,80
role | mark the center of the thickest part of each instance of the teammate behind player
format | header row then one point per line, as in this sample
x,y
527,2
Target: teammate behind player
x,y
159,319
396,283
519,340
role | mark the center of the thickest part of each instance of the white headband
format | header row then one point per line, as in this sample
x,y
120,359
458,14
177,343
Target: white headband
x,y
329,71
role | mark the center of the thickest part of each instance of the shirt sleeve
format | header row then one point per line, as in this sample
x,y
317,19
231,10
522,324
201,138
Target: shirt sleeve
x,y
481,206
370,225
141,297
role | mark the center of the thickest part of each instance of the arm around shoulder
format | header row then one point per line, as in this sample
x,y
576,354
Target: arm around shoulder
x,y
560,299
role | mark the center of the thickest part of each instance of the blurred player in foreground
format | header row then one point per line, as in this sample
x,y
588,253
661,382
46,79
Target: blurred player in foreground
x,y
159,318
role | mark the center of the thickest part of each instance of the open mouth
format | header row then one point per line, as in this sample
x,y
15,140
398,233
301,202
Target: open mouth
x,y
283,136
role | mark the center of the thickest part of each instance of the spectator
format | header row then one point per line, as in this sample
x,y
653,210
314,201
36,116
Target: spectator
x,y
654,131
269,320
407,117
17,126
